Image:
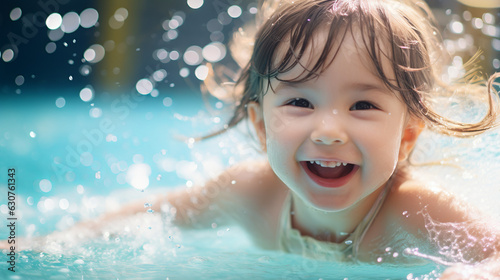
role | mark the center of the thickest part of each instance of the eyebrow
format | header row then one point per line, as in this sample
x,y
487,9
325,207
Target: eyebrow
x,y
360,86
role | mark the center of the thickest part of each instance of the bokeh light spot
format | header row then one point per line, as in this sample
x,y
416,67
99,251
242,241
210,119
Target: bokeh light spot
x,y
195,4
53,21
88,18
16,14
138,175
234,11
456,27
94,53
86,94
193,55
60,102
201,72
214,52
70,22
45,185
184,72
8,55
95,112
167,101
144,86
19,80
50,47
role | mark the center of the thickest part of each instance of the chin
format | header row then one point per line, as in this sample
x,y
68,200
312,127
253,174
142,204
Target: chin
x,y
326,203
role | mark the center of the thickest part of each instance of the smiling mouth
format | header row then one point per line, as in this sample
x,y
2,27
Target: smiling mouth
x,y
328,173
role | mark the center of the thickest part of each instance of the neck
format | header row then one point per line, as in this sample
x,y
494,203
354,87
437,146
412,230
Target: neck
x,y
332,226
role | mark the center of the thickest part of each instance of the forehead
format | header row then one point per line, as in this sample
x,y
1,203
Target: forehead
x,y
350,45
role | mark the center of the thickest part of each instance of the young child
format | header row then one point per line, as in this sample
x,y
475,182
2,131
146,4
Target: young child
x,y
338,92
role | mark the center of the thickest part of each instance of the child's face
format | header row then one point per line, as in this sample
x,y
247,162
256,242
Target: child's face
x,y
346,115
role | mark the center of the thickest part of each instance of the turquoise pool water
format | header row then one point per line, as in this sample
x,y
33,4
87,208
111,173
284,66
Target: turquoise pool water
x,y
73,163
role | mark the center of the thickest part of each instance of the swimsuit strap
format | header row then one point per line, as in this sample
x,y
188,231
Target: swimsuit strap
x,y
290,239
365,224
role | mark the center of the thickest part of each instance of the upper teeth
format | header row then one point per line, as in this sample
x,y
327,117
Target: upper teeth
x,y
331,164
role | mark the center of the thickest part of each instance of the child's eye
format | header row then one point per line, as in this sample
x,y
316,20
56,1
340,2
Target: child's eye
x,y
362,105
300,102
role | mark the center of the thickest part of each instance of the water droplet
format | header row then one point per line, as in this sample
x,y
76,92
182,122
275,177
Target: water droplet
x,y
32,134
348,242
379,259
147,204
150,211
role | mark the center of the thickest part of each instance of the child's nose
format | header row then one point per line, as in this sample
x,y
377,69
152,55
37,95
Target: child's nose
x,y
329,131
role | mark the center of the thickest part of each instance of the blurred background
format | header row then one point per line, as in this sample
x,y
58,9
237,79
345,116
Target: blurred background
x,y
111,45
94,93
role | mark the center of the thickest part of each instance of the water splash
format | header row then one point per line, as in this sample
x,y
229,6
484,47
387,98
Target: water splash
x,y
463,242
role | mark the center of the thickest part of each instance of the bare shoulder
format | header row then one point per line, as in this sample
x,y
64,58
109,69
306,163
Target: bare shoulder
x,y
254,180
413,203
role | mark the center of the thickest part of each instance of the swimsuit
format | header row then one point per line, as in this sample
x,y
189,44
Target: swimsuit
x,y
290,239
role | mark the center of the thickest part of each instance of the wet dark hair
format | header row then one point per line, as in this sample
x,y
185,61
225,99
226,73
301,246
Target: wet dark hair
x,y
402,32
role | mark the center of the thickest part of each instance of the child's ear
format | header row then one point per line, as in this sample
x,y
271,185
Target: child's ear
x,y
254,111
410,135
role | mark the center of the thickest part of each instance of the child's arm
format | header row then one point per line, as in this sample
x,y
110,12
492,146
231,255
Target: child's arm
x,y
221,200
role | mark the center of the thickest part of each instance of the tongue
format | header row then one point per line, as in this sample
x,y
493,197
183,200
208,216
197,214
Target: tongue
x,y
330,173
